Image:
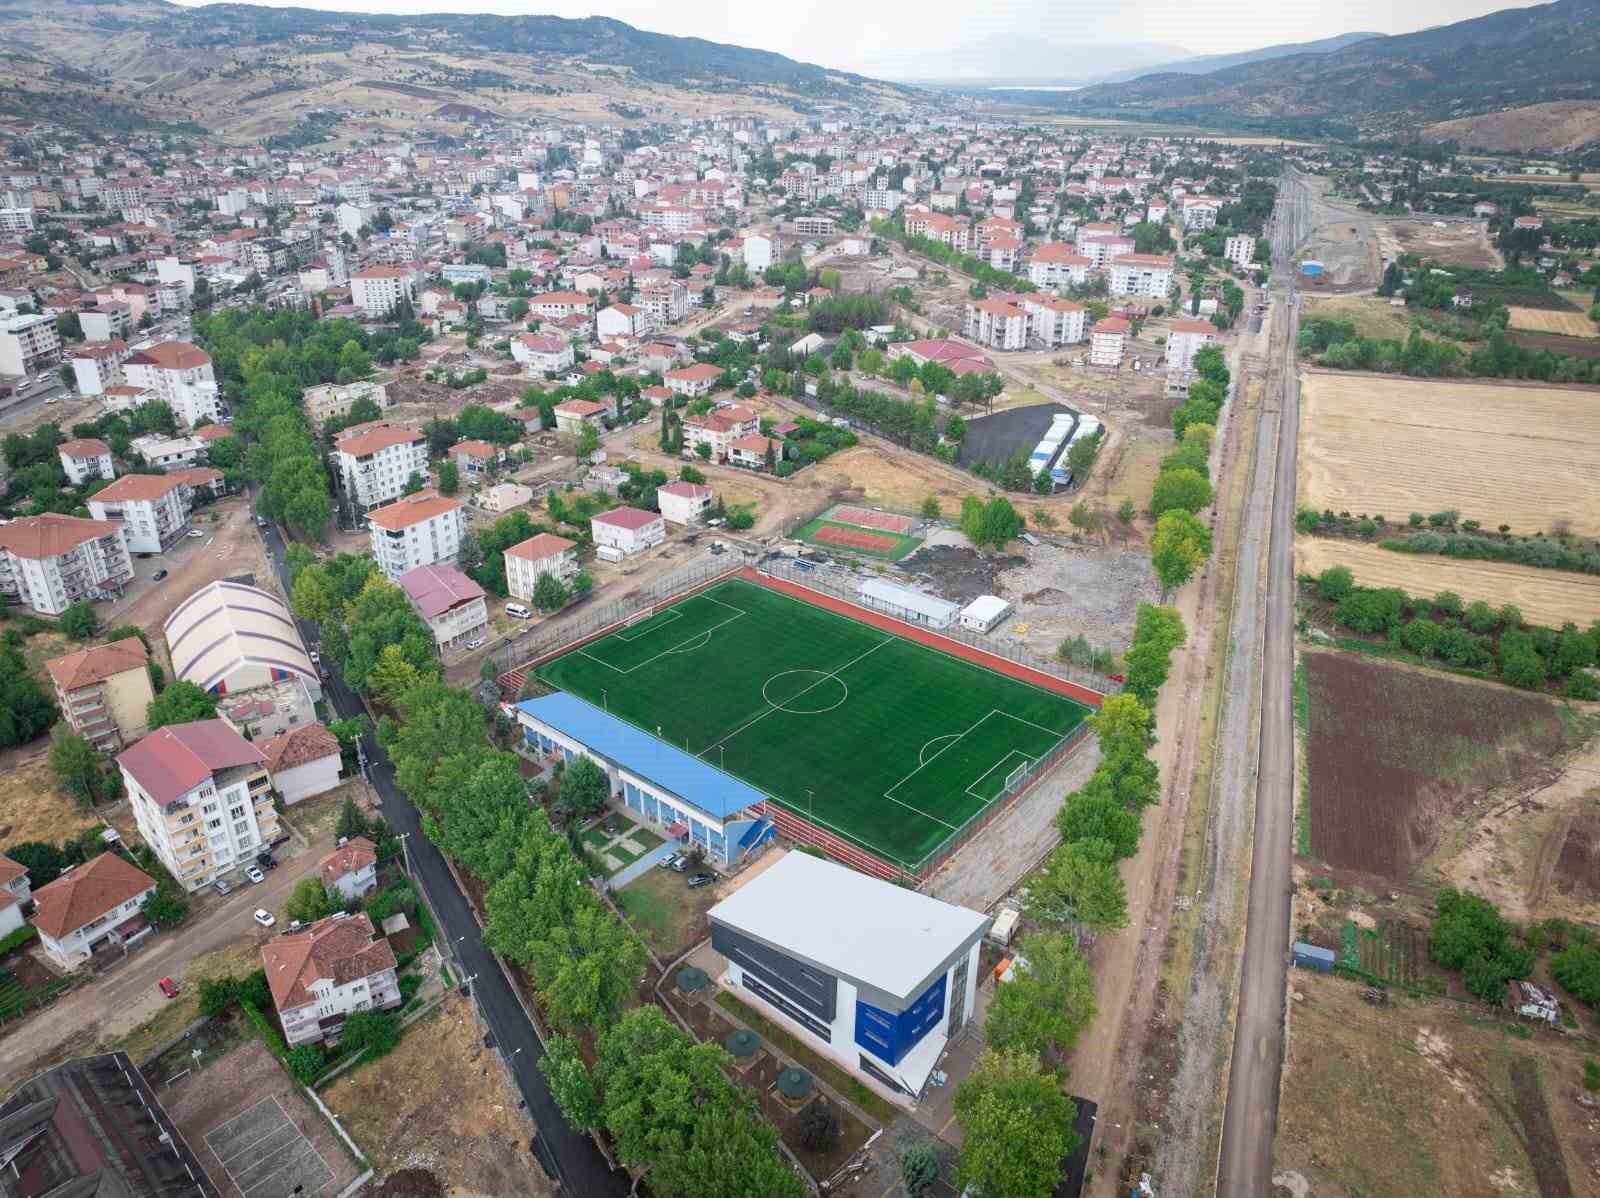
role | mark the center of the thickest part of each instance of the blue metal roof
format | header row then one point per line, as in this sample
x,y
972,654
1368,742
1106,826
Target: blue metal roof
x,y
701,785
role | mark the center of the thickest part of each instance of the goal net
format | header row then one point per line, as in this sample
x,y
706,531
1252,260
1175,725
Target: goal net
x,y
1015,778
639,617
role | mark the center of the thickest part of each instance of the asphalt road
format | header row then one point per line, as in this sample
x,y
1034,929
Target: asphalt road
x,y
571,1155
1250,1118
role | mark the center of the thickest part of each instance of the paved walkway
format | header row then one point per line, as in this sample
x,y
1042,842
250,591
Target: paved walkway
x,y
643,865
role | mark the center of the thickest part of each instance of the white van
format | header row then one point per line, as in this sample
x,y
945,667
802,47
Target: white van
x,y
519,611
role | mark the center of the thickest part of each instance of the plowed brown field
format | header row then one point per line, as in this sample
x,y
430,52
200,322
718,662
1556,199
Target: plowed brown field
x,y
1501,454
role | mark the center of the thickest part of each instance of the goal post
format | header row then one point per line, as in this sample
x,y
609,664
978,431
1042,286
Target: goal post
x,y
1016,777
639,617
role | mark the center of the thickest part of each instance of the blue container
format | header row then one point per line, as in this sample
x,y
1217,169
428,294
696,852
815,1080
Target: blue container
x,y
1309,956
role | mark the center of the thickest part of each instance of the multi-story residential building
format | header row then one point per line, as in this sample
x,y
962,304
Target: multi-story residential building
x,y
717,429
573,414
956,234
1199,213
684,503
997,324
201,797
103,691
50,562
350,217
379,289
97,366
628,530
557,305
623,320
335,399
692,382
543,353
543,553
1057,264
168,454
1148,275
814,224
1106,341
1055,321
320,974
91,907
418,530
154,509
450,604
663,304
111,321
15,892
85,458
375,461
351,870
759,249
28,345
1185,339
1103,249
475,459
304,761
1240,249
16,220
181,375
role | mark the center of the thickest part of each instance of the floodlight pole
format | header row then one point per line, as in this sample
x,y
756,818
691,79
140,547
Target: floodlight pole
x,y
605,700
811,805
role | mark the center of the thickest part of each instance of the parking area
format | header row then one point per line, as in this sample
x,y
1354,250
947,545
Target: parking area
x,y
266,1156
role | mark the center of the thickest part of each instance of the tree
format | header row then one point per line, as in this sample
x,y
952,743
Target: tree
x,y
414,483
1098,817
27,710
44,862
1072,886
586,441
993,523
391,676
75,762
584,788
1016,1127
930,508
919,1169
181,703
1334,583
571,1084
306,1063
1047,1004
310,901
79,621
818,1126
1577,967
449,477
1180,545
549,593
375,1032
165,906
1180,489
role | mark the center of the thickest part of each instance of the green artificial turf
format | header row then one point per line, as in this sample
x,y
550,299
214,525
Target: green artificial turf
x,y
889,743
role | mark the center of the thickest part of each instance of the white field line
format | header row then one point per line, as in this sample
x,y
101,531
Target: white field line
x,y
997,765
704,636
955,739
674,612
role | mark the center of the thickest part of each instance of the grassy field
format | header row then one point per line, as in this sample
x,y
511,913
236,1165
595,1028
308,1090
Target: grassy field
x,y
1373,316
1543,320
667,914
886,742
1500,454
848,540
1548,597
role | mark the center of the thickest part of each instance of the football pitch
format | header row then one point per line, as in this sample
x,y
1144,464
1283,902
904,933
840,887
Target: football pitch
x,y
888,743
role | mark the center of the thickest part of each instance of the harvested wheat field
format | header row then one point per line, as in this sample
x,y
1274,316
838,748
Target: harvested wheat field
x,y
1548,320
1548,597
1495,452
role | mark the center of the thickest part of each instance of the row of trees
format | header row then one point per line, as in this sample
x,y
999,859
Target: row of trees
x,y
370,632
1181,543
1338,347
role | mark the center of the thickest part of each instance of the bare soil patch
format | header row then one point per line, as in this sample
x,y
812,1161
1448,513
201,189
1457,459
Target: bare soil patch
x,y
31,806
1392,446
1459,243
1394,754
1576,347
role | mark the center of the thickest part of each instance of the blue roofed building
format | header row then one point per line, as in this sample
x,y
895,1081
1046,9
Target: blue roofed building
x,y
689,799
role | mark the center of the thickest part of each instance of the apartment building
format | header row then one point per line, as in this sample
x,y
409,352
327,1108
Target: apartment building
x,y
684,503
628,530
14,221
1200,213
379,289
335,399
624,320
15,892
418,530
201,797
28,345
692,382
85,458
154,509
1240,249
997,324
1148,275
541,554
1185,339
89,908
543,353
97,366
320,974
376,459
111,321
450,604
50,562
1057,264
1102,249
181,375
558,305
717,429
663,304
1106,341
1055,321
103,691
956,234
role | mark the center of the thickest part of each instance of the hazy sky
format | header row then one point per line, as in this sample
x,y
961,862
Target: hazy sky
x,y
842,33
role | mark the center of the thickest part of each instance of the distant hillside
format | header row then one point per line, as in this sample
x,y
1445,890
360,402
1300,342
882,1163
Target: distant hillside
x,y
253,71
1387,85
1009,57
1207,63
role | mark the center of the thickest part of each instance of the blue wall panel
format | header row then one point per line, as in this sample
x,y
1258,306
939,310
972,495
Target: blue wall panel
x,y
888,1035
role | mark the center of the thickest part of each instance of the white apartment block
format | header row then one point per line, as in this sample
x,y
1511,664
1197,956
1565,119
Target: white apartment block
x,y
16,220
544,353
1199,213
758,252
50,562
97,367
449,602
1106,341
28,345
664,303
1185,339
375,460
180,375
335,399
378,289
1102,249
419,530
90,907
350,217
84,459
1057,264
541,554
1056,321
201,797
152,508
320,974
1148,275
997,324
1240,249
684,503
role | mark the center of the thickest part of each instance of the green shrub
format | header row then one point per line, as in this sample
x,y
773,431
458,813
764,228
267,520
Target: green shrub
x,y
306,1063
377,1032
1334,583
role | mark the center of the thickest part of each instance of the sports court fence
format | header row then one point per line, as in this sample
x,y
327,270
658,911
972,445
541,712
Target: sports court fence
x,y
820,579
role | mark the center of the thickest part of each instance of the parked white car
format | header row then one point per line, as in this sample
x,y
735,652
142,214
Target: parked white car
x,y
265,918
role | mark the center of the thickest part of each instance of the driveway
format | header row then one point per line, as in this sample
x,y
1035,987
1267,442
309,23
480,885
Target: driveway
x,y
122,999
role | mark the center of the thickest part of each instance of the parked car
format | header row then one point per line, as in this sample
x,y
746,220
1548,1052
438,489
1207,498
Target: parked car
x,y
266,860
476,642
701,879
519,611
168,987
265,918
158,576
255,875
670,861
681,864
221,887
195,532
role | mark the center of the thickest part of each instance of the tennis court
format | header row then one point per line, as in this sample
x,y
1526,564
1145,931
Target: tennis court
x,y
890,744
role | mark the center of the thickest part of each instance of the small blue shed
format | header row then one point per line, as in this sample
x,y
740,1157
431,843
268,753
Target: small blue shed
x,y
1309,956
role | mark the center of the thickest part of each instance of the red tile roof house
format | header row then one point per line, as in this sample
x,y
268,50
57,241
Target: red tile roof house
x,y
14,892
351,870
684,503
322,973
92,906
628,530
694,381
449,602
303,761
474,457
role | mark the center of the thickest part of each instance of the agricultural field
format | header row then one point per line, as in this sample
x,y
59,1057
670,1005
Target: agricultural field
x,y
1372,315
1394,755
1392,446
1426,1097
1548,597
1548,320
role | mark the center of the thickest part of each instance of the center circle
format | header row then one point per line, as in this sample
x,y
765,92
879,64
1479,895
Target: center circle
x,y
814,692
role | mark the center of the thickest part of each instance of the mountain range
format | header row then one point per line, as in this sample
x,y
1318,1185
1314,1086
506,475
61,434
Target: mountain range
x,y
1011,57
